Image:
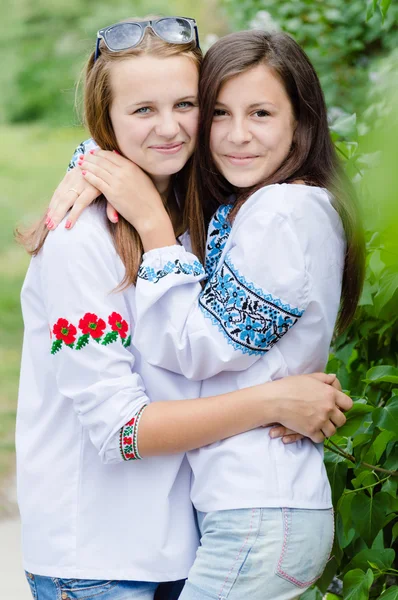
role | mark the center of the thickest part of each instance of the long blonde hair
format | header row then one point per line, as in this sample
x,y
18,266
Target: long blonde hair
x,y
97,104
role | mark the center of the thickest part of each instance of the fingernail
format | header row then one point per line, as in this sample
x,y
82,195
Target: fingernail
x,y
50,224
84,172
68,224
47,221
273,433
116,152
92,152
81,156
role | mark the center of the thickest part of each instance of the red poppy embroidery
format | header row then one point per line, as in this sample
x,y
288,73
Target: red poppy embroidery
x,y
118,324
65,331
92,325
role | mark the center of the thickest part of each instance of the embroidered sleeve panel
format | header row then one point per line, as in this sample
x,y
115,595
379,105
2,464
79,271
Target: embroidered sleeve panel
x,y
171,267
82,148
92,328
218,233
250,319
128,437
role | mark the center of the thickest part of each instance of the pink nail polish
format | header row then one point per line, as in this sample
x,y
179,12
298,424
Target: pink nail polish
x,y
116,217
92,152
84,172
50,224
68,224
116,152
46,222
81,156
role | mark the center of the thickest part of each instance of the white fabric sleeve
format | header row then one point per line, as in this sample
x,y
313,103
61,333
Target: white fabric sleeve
x,y
90,331
82,148
258,291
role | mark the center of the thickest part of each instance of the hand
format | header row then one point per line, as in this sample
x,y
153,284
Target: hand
x,y
73,192
311,405
288,435
127,187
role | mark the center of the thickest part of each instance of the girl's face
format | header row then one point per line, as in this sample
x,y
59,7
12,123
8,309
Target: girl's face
x,y
154,112
253,126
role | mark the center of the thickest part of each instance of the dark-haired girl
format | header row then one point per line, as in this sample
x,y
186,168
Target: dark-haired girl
x,y
284,261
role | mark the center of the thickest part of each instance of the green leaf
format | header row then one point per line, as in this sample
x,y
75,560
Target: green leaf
x,y
388,288
372,4
370,513
345,126
380,443
110,337
390,487
355,418
394,533
56,346
387,416
356,584
82,341
390,594
311,594
376,264
127,342
384,5
383,373
382,559
336,468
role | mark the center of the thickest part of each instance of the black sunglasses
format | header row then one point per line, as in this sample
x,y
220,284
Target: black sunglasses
x,y
175,30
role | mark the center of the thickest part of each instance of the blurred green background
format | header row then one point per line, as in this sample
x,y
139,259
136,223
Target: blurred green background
x,y
354,47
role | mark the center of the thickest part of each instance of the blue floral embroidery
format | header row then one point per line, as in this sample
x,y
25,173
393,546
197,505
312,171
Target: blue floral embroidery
x,y
82,148
149,274
218,233
251,320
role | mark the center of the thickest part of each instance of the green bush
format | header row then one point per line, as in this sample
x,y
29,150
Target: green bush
x,y
336,35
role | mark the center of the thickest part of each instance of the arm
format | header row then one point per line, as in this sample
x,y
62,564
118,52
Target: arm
x,y
256,293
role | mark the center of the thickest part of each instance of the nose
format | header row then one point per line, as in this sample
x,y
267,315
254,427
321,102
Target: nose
x,y
239,132
167,125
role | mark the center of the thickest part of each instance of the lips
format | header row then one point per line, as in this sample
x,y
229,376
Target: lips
x,y
167,146
240,160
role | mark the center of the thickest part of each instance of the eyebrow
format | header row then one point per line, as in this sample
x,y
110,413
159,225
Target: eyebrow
x,y
145,102
252,106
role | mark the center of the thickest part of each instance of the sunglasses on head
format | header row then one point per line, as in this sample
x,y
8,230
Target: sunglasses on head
x,y
122,36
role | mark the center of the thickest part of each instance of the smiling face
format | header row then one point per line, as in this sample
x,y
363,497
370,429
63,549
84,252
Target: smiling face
x,y
154,112
253,126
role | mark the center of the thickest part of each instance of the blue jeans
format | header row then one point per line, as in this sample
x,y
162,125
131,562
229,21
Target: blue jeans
x,y
259,553
54,588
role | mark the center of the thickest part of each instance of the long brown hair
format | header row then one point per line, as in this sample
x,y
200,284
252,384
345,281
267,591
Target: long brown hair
x,y
312,157
97,104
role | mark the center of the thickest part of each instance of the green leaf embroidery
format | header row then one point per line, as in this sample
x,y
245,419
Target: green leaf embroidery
x,y
126,343
110,338
82,341
56,347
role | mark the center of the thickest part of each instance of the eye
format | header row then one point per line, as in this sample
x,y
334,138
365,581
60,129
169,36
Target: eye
x,y
219,112
262,113
144,110
185,104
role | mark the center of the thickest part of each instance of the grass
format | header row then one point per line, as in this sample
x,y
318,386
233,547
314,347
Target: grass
x,y
33,162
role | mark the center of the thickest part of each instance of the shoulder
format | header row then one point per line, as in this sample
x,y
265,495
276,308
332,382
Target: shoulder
x,y
90,234
302,206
